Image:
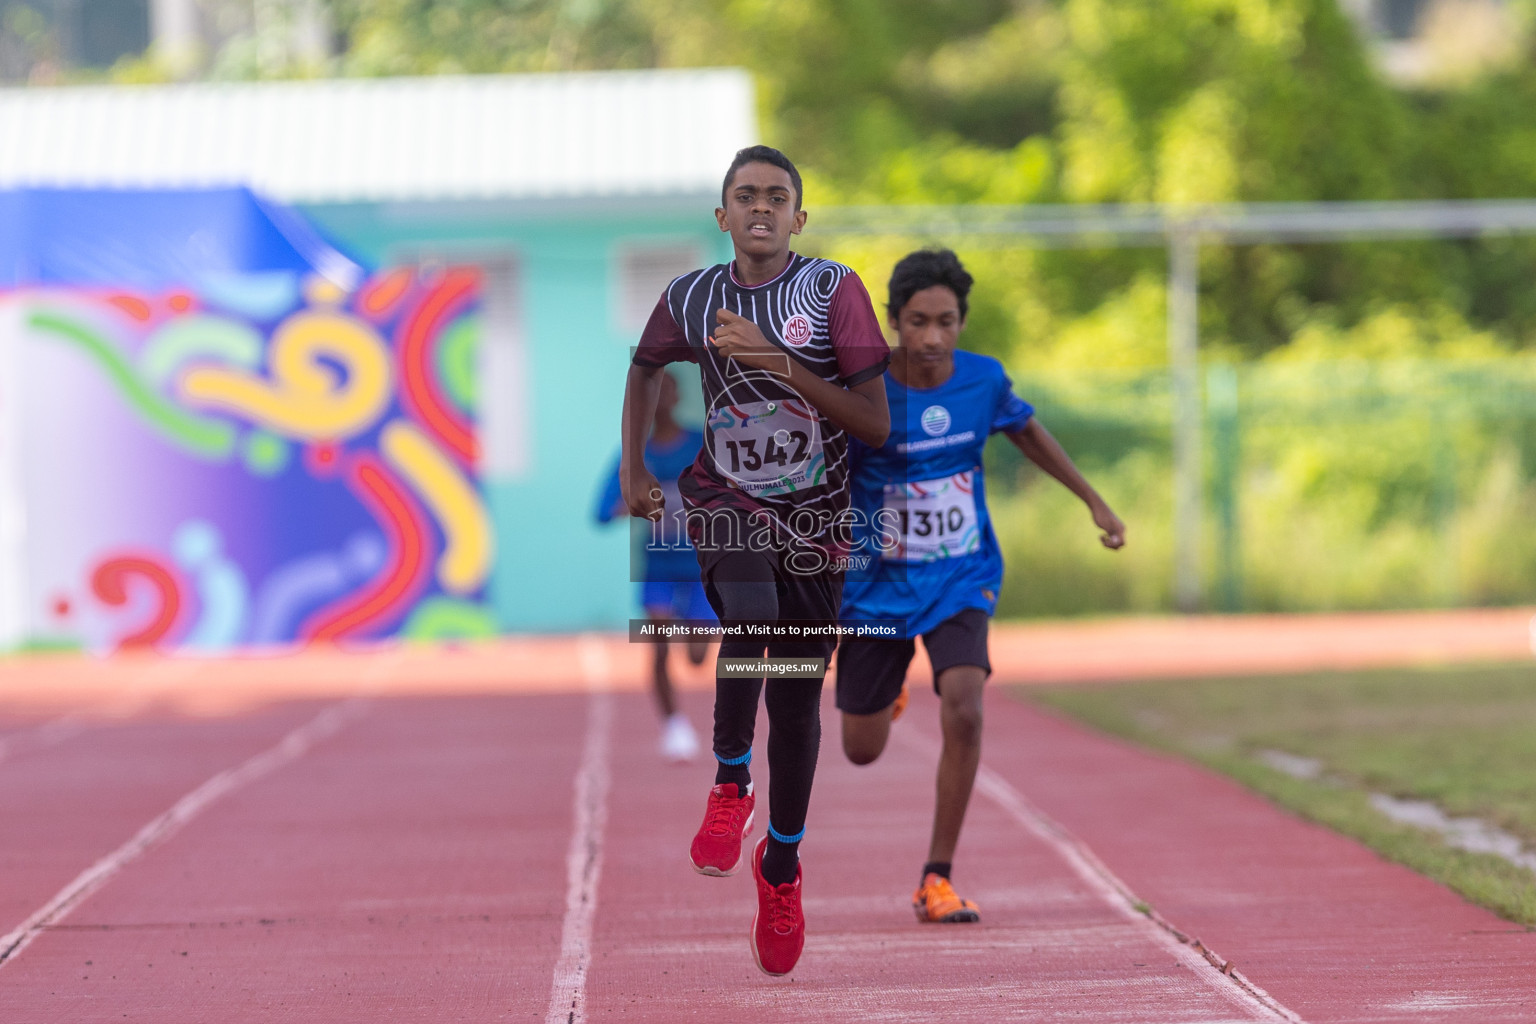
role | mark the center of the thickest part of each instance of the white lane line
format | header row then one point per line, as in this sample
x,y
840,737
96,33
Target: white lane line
x,y
288,749
1200,959
40,737
584,861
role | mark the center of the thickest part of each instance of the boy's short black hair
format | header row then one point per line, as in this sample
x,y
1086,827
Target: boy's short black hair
x,y
925,269
761,155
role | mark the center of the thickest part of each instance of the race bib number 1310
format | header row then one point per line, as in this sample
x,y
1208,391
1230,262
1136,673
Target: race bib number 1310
x,y
936,518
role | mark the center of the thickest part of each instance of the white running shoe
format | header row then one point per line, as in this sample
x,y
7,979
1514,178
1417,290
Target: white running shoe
x,y
678,740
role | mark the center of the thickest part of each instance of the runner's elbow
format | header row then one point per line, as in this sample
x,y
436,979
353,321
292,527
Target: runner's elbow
x,y
874,435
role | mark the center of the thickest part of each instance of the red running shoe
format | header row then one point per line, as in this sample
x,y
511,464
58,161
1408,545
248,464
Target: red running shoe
x,y
716,848
778,928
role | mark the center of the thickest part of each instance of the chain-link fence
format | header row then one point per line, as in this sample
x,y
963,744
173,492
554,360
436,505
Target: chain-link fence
x,y
1326,485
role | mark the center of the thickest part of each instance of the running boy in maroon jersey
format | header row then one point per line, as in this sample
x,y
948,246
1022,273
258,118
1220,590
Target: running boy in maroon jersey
x,y
791,356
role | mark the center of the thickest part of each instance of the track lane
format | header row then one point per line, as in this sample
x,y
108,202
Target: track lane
x,y
164,826
64,806
414,867
409,868
21,739
671,945
1325,925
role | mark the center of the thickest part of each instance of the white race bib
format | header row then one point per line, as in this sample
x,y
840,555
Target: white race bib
x,y
768,448
936,518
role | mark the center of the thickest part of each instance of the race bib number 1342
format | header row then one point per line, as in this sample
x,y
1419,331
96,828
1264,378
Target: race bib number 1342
x,y
768,448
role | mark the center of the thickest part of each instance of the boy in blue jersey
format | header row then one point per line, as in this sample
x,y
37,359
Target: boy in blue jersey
x,y
669,569
938,567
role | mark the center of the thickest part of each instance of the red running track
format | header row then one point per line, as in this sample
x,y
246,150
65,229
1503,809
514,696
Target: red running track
x,y
523,858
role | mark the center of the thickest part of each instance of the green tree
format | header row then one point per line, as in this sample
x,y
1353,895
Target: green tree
x,y
1031,101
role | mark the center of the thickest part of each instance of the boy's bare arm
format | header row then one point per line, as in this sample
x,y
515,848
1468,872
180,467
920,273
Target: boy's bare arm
x,y
641,489
860,410
1045,451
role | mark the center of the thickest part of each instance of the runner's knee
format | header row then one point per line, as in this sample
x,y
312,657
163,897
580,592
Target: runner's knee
x,y
864,737
962,705
862,752
962,724
794,710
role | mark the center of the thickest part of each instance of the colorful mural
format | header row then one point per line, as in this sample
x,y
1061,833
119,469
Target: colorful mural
x,y
265,460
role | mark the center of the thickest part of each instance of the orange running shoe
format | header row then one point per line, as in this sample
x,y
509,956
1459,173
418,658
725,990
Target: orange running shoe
x,y
716,849
778,928
936,902
899,705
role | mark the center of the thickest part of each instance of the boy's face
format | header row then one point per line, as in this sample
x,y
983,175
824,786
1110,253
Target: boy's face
x,y
759,210
929,325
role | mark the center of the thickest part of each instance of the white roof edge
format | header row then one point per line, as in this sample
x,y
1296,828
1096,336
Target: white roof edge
x,y
576,134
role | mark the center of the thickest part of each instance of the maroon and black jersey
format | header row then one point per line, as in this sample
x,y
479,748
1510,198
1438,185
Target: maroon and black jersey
x,y
765,447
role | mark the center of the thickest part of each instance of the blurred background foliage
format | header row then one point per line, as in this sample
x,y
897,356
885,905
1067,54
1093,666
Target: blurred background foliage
x,y
1030,101
1044,101
1395,491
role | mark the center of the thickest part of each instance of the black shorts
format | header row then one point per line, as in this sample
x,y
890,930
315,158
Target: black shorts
x,y
804,599
870,672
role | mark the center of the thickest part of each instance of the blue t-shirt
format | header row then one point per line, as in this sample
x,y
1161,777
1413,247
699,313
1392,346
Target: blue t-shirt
x,y
668,555
924,500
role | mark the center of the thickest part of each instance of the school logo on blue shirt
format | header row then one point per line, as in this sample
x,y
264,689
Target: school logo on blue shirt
x,y
935,420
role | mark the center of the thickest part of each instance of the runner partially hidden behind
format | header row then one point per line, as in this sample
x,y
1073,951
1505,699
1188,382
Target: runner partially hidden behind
x,y
670,587
791,355
939,567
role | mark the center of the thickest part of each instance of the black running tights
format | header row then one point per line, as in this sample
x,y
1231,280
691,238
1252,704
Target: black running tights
x,y
745,583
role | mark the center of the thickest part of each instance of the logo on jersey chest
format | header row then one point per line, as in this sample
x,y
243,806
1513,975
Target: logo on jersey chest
x,y
935,420
797,331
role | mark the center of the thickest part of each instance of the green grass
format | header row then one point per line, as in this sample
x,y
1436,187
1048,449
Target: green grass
x,y
1462,737
46,645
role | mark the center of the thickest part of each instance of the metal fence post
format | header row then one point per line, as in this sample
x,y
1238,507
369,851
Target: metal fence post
x,y
1225,422
1184,367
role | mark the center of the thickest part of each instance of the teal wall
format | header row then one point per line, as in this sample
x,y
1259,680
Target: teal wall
x,y
556,569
